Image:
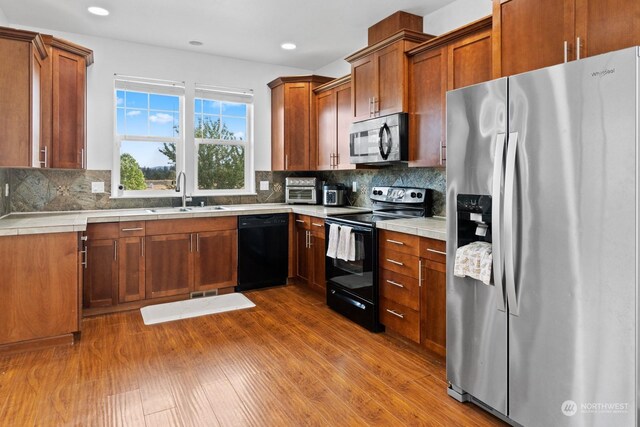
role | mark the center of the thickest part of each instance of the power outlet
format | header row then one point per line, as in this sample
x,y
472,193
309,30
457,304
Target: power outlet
x,y
264,185
354,186
6,190
97,187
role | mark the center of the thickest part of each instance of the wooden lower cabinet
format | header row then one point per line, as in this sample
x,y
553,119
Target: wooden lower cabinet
x,y
100,286
216,260
168,265
412,280
40,290
130,262
310,252
131,269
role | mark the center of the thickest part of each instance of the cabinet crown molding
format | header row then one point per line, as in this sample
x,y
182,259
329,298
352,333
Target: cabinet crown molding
x,y
70,47
299,79
403,35
333,83
26,36
446,38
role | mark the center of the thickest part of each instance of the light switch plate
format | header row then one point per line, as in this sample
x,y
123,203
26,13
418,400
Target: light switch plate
x,y
354,186
264,185
97,187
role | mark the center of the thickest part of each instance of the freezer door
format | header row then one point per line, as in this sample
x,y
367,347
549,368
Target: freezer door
x,y
572,300
476,320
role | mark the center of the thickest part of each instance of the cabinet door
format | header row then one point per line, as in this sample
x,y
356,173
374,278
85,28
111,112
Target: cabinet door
x,y
433,328
101,273
15,103
428,77
302,254
363,87
131,269
326,130
168,265
297,116
216,260
69,86
531,34
470,61
39,286
344,120
277,128
607,25
391,66
317,254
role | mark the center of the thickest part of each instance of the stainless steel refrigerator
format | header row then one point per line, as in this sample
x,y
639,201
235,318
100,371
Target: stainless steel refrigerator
x,y
547,162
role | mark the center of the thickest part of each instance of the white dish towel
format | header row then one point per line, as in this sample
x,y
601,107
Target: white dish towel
x,y
332,247
474,260
346,244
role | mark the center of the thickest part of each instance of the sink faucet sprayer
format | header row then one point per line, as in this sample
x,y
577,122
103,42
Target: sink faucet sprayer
x,y
182,189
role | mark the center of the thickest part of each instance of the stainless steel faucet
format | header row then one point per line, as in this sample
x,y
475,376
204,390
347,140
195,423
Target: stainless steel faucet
x,y
182,189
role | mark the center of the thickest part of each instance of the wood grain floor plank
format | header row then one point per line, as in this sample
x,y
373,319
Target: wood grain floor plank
x,y
226,404
167,418
192,404
123,409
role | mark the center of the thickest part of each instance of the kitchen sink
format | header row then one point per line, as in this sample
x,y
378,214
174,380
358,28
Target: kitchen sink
x,y
187,209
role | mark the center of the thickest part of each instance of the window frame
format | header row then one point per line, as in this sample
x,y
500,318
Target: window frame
x,y
230,95
156,87
186,143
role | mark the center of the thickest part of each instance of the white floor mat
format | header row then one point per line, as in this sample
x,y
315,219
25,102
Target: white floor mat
x,y
168,312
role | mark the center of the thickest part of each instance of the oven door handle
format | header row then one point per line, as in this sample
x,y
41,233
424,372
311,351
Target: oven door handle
x,y
353,226
349,300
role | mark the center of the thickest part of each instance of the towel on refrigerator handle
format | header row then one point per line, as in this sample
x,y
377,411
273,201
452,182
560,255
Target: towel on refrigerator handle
x,y
332,247
474,260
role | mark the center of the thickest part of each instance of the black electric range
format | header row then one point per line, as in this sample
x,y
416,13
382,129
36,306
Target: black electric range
x,y
352,284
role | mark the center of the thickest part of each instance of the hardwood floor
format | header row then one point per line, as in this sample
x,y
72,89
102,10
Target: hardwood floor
x,y
289,361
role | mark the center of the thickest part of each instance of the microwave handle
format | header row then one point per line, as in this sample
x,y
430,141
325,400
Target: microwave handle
x,y
384,130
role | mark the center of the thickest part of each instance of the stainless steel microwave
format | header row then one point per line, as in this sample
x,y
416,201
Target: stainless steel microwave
x,y
380,140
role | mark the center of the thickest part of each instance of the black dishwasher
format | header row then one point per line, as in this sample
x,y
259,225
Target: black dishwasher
x,y
263,251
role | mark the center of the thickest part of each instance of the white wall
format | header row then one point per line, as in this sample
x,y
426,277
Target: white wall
x,y
455,15
3,18
337,68
133,59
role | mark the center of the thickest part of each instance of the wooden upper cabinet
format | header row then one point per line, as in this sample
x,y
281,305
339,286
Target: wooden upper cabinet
x,y
532,34
292,127
606,25
379,76
333,121
23,53
451,61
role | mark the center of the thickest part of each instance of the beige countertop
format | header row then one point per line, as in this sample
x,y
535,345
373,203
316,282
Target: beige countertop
x,y
433,227
74,221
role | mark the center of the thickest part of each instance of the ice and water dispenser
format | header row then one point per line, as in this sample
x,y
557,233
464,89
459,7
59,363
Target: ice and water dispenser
x,y
474,218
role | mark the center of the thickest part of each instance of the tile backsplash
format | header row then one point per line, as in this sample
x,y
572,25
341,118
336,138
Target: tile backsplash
x,y
33,190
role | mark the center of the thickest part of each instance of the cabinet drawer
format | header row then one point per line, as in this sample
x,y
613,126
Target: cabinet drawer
x,y
400,319
132,229
317,224
99,231
303,221
434,250
399,262
400,289
400,242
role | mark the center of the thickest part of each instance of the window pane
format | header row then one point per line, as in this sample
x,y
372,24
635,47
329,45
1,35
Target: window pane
x,y
162,123
147,165
210,107
136,122
230,109
198,105
208,127
220,167
234,128
120,98
164,102
137,100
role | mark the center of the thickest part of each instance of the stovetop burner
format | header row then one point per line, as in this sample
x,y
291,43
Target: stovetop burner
x,y
392,203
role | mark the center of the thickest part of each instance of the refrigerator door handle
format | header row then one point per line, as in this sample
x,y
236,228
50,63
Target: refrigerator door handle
x,y
496,219
509,185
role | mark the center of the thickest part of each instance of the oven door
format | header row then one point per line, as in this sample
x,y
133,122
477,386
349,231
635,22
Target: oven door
x,y
357,277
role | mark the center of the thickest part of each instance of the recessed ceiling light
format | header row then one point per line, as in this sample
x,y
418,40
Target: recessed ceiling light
x,y
98,11
195,43
288,46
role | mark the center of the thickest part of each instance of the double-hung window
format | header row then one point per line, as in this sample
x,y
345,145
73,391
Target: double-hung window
x,y
149,136
223,137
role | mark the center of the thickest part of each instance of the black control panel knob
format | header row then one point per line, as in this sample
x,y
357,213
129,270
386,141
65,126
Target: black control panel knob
x,y
419,195
413,195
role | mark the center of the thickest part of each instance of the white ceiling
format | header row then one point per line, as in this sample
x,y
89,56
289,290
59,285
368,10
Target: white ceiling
x,y
324,30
